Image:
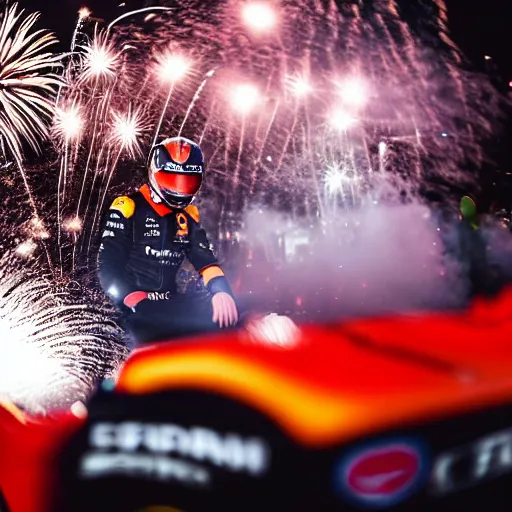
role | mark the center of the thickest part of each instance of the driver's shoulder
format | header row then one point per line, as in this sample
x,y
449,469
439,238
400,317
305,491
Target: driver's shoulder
x,y
127,204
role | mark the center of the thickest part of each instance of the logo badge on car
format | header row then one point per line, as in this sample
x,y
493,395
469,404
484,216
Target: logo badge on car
x,y
382,475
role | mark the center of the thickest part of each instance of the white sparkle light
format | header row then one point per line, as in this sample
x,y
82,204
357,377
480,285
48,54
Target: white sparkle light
x,y
101,59
26,249
336,177
354,91
342,120
172,67
72,225
259,16
127,131
68,123
299,86
84,13
245,98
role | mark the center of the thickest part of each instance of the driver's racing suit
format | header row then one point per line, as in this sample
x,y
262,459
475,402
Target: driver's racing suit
x,y
143,246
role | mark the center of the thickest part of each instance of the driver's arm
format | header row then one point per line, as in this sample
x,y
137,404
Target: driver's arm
x,y
202,257
116,244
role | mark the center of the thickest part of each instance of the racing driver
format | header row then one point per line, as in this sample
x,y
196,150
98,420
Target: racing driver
x,y
147,236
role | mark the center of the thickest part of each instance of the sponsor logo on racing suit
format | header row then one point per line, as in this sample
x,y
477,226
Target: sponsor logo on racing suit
x,y
165,257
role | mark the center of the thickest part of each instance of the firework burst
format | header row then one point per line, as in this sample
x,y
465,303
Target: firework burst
x,y
304,106
100,59
55,343
28,81
128,130
68,123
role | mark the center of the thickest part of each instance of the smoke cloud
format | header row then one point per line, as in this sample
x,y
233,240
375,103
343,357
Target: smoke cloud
x,y
373,260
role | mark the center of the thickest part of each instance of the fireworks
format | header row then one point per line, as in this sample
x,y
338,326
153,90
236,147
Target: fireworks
x,y
259,16
68,123
299,86
27,82
72,225
101,59
326,89
342,120
26,248
84,13
172,67
330,88
127,131
51,341
354,92
336,178
245,98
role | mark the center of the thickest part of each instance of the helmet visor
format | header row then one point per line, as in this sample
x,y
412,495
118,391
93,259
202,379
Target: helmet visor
x,y
178,183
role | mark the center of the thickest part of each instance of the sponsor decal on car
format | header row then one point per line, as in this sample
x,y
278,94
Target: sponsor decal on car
x,y
486,458
382,474
170,452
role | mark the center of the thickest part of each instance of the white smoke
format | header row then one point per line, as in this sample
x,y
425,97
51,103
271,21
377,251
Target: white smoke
x,y
369,261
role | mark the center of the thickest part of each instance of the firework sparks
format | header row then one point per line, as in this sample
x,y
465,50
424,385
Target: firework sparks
x,y
245,98
336,178
46,334
137,11
341,120
259,16
172,67
101,59
127,131
354,92
26,248
299,86
36,229
72,225
26,91
84,13
68,123
27,86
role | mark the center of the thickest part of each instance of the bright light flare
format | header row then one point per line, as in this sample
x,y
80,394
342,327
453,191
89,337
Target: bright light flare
x,y
84,13
274,331
354,92
68,123
101,59
27,369
342,120
299,86
26,248
72,225
36,229
259,16
173,67
128,130
245,98
45,330
336,177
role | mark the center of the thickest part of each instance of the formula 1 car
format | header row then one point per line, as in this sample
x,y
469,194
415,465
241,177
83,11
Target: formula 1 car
x,y
402,413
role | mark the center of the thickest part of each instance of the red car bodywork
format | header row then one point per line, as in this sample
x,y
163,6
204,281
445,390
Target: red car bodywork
x,y
339,381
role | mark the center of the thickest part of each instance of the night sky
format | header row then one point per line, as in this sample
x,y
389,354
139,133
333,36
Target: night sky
x,y
478,27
